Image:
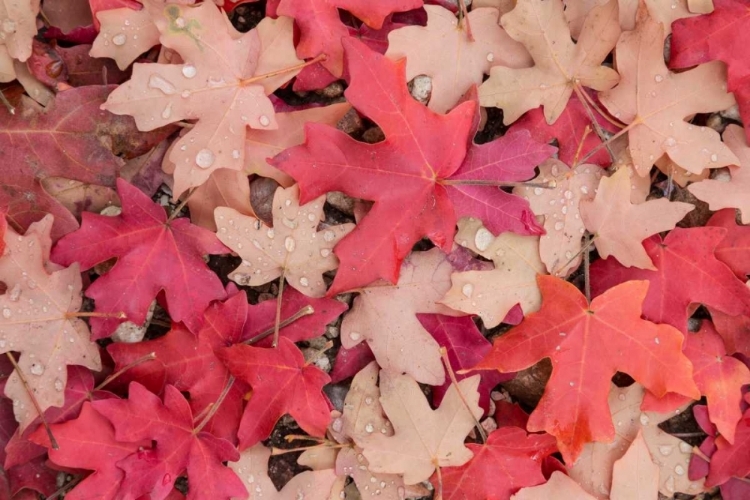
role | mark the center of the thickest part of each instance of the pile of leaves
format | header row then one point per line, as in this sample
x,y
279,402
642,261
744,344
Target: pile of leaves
x,y
238,230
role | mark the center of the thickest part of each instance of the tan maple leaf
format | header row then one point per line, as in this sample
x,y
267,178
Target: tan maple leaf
x,y
461,61
655,103
559,486
18,27
37,319
7,71
252,469
423,438
124,35
492,294
560,246
384,315
594,467
665,12
293,247
619,227
223,84
560,64
635,475
735,193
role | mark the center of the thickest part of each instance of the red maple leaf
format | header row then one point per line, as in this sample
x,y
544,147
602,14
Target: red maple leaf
x,y
180,447
190,364
425,159
153,254
510,460
731,460
724,35
282,383
88,442
734,249
685,255
587,345
465,347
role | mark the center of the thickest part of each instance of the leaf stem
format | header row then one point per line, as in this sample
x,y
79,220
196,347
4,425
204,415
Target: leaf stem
x,y
463,19
7,104
482,182
148,357
215,406
317,354
182,204
52,440
587,272
330,444
94,314
277,321
305,311
586,132
447,363
321,57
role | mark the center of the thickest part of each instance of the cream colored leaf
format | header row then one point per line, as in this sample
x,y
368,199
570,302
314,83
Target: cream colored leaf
x,y
560,246
663,11
424,438
18,27
593,469
735,193
559,487
619,227
459,62
124,35
7,71
363,414
560,64
224,188
492,294
293,245
384,315
35,321
655,103
635,476
252,469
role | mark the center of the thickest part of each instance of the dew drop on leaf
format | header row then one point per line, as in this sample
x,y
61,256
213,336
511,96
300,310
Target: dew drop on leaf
x,y
205,158
189,71
119,39
159,83
483,239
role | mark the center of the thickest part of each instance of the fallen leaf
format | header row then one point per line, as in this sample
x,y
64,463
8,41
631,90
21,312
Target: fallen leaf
x,y
153,253
18,20
423,438
124,34
734,249
39,321
663,12
293,247
560,246
492,294
464,57
635,475
734,193
560,64
588,344
559,487
619,226
654,103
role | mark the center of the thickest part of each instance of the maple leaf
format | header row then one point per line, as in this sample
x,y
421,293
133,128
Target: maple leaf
x,y
424,159
720,35
180,447
465,56
593,469
293,247
222,84
683,254
588,344
124,34
734,249
654,102
153,253
224,188
731,460
509,460
88,442
561,66
492,294
662,12
18,21
559,486
619,226
384,316
560,245
67,139
321,29
282,383
252,469
39,320
635,475
733,194
719,377
423,438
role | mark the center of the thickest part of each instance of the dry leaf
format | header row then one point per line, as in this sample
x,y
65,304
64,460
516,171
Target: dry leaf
x,y
460,62
559,487
18,23
663,11
560,64
293,246
124,35
635,476
424,438
492,294
619,227
560,246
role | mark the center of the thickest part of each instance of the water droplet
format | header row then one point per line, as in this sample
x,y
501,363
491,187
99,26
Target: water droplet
x,y
329,236
572,384
205,158
15,293
685,447
159,83
669,484
325,252
559,225
670,142
714,157
119,39
250,479
369,428
563,334
304,281
36,369
568,194
6,312
290,244
264,121
538,191
167,111
180,22
167,479
621,397
270,233
59,386
658,78
483,239
564,210
368,400
584,189
679,470
467,289
665,449
490,57
542,87
189,71
644,419
2,343
355,336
